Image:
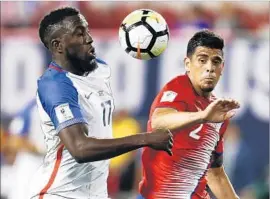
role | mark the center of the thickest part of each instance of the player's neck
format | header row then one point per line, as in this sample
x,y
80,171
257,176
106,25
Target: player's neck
x,y
67,66
200,92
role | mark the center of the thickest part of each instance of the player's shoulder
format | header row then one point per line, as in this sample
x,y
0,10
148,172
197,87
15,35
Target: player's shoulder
x,y
54,77
179,83
55,84
180,87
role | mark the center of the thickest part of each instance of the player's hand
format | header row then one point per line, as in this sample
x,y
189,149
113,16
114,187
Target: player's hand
x,y
220,110
161,139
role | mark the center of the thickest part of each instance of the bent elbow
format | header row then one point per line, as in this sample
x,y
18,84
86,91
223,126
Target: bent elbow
x,y
78,155
79,160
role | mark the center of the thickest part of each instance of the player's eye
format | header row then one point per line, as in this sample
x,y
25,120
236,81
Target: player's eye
x,y
217,62
202,61
80,33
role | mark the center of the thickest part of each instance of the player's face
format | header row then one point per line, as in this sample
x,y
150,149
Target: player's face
x,y
78,43
205,67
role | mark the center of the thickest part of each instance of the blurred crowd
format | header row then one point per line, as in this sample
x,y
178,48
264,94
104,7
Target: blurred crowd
x,y
239,17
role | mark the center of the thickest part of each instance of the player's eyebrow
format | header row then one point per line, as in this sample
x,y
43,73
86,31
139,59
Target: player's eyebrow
x,y
219,58
202,55
79,27
79,24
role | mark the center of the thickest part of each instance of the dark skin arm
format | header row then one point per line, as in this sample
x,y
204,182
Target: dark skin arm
x,y
88,149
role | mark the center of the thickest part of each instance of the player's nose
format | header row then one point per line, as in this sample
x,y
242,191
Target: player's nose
x,y
88,39
210,68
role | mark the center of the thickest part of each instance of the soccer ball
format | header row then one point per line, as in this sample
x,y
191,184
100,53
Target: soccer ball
x,y
144,34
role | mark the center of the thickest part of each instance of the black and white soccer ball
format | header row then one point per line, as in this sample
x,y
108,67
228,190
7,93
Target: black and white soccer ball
x,y
144,34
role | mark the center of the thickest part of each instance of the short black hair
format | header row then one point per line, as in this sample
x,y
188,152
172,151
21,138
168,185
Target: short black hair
x,y
204,38
53,18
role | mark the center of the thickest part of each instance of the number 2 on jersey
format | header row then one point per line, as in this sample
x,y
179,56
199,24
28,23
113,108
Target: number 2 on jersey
x,y
107,112
194,134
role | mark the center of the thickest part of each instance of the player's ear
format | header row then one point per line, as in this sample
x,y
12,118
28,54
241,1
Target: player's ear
x,y
57,45
222,67
187,63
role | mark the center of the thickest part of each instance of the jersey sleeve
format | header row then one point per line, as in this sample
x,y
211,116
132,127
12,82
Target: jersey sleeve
x,y
170,99
59,99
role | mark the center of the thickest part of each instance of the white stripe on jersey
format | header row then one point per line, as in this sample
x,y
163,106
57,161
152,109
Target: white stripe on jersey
x,y
187,172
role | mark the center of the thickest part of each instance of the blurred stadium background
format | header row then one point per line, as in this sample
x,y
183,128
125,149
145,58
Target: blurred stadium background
x,y
245,27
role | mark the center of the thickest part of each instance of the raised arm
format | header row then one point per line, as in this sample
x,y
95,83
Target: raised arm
x,y
218,111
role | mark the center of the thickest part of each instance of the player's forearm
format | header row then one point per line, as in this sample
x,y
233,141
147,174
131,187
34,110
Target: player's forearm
x,y
177,120
100,149
220,185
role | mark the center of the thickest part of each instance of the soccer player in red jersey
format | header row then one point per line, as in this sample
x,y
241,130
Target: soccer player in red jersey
x,y
198,121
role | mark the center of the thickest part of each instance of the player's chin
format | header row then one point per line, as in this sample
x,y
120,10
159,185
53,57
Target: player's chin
x,y
207,88
92,65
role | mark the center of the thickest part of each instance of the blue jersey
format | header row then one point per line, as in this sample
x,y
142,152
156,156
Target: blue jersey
x,y
65,99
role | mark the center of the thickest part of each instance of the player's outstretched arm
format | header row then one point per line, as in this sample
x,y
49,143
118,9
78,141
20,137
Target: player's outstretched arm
x,y
219,184
88,149
218,111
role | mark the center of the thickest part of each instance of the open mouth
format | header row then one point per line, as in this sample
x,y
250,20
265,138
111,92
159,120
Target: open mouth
x,y
92,52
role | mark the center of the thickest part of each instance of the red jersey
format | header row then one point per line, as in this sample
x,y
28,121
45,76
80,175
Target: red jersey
x,y
181,176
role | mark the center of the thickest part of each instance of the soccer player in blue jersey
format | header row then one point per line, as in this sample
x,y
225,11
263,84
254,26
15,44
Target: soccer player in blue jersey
x,y
75,104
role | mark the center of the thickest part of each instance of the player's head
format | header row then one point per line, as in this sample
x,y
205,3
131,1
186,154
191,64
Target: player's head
x,y
65,33
204,61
